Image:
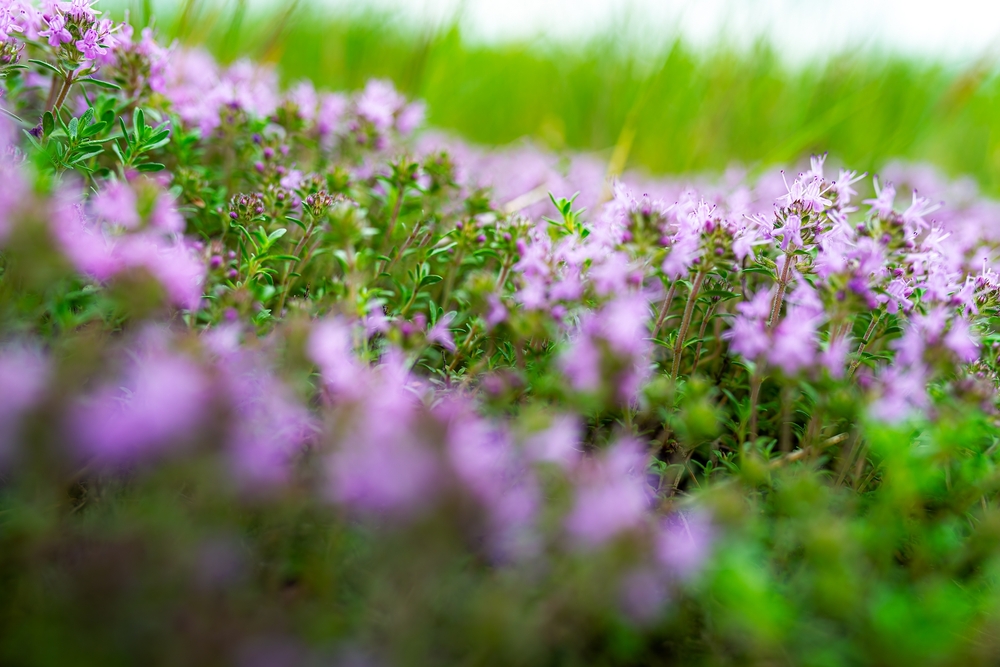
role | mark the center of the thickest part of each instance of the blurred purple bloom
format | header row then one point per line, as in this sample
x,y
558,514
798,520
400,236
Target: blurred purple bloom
x,y
272,429
24,374
961,341
165,217
794,344
378,104
684,543
116,203
158,402
643,594
330,346
834,358
440,333
681,257
611,497
558,444
410,118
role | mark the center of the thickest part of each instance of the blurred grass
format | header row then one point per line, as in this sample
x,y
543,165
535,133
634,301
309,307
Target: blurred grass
x,y
688,109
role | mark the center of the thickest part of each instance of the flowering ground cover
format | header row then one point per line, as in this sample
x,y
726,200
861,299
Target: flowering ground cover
x,y
286,380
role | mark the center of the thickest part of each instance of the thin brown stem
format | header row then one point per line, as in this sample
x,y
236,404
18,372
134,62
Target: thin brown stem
x,y
63,92
701,335
779,297
686,323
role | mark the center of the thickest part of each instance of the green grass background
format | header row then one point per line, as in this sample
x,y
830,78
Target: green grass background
x,y
683,109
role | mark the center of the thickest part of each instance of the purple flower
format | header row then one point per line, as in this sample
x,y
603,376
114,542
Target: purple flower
x,y
9,23
747,334
173,264
611,497
611,275
582,363
158,402
794,345
272,427
682,255
884,198
378,104
834,357
116,203
81,10
410,118
558,444
330,346
383,465
961,341
790,233
90,46
497,312
440,333
684,543
24,374
165,216
56,31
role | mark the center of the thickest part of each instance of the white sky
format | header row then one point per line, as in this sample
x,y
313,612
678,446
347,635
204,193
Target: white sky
x,y
956,30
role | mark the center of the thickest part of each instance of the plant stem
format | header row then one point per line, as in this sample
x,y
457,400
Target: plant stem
x,y
461,350
779,297
785,439
395,213
63,92
755,383
686,323
701,335
293,267
664,309
864,342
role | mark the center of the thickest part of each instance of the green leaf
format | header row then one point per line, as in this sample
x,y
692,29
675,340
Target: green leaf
x,y
150,167
445,248
91,130
15,117
296,221
48,123
125,134
86,154
430,280
41,63
100,84
139,124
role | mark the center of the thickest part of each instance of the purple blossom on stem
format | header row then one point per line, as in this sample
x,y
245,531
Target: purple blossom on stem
x,y
884,198
91,45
